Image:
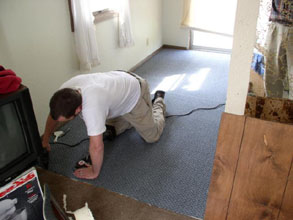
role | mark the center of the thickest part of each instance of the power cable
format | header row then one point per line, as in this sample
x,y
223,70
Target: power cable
x,y
68,145
194,110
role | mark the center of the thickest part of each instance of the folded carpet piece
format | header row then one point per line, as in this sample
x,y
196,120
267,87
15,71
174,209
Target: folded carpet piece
x,y
9,82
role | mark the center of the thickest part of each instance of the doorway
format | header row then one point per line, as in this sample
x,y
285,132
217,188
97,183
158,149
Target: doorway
x,y
213,30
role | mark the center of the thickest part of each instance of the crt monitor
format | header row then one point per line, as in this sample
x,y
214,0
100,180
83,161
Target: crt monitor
x,y
13,140
20,144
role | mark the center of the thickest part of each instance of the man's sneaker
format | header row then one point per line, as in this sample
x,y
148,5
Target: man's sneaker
x,y
158,94
110,133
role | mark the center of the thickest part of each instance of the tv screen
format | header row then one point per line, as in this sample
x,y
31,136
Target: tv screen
x,y
20,143
11,135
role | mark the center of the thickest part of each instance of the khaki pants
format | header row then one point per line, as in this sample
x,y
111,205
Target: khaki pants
x,y
148,119
279,62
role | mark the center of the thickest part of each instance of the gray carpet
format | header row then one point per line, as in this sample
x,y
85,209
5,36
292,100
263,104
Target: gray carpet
x,y
173,173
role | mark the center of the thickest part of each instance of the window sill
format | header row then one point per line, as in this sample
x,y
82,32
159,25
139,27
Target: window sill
x,y
104,15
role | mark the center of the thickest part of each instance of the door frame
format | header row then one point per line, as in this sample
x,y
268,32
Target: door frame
x,y
213,49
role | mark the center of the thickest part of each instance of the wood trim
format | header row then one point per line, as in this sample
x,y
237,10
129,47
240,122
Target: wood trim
x,y
71,15
174,47
146,59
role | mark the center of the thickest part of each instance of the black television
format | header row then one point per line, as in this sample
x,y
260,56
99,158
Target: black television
x,y
20,142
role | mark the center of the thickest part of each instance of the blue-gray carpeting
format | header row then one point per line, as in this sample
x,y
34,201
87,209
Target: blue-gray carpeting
x,y
173,173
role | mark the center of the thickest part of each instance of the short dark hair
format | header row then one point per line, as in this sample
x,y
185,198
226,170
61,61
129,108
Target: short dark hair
x,y
64,102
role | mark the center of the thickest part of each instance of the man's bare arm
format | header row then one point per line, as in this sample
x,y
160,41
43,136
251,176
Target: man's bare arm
x,y
51,125
96,150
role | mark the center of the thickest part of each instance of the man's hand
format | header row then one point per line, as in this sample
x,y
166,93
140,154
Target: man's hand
x,y
96,150
46,145
86,173
7,208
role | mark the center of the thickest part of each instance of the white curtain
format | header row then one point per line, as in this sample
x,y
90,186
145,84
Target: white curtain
x,y
188,14
125,31
85,34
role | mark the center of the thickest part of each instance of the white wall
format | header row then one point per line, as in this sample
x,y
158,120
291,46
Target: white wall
x,y
36,42
146,24
173,33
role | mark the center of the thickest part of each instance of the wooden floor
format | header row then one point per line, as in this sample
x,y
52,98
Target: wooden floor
x,y
252,174
105,205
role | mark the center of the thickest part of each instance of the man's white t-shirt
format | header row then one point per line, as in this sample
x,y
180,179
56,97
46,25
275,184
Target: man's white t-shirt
x,y
104,96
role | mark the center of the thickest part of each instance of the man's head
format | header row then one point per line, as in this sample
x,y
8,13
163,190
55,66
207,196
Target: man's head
x,y
65,104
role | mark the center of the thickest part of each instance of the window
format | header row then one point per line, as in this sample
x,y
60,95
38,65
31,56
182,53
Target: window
x,y
104,9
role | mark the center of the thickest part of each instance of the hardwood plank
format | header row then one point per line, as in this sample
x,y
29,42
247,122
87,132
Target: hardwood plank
x,y
262,171
286,211
225,161
105,205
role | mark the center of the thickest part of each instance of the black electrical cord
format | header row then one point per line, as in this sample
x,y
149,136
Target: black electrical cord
x,y
168,116
68,145
194,110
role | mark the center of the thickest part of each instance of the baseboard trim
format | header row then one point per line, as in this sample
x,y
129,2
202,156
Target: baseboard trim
x,y
174,47
154,53
146,59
